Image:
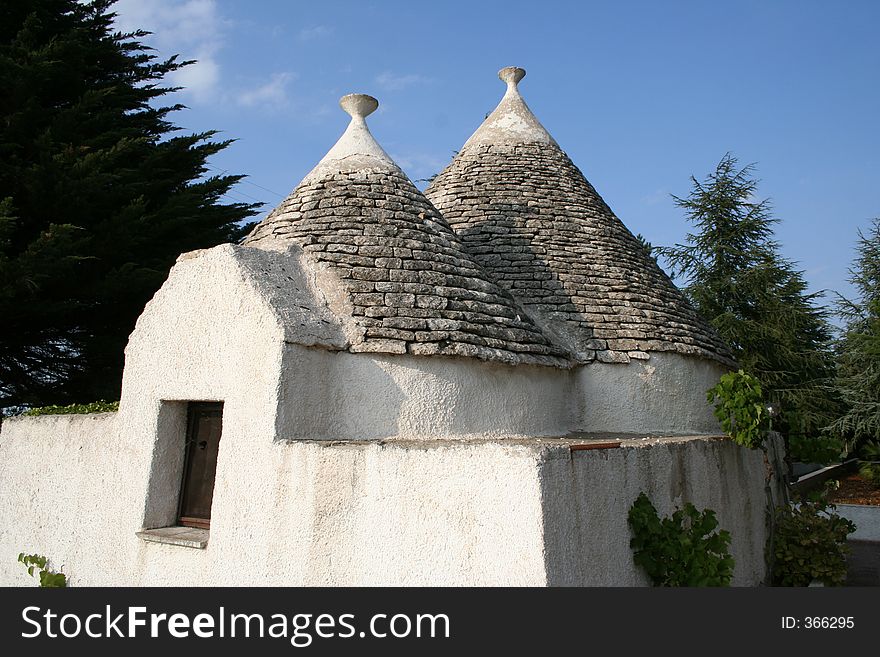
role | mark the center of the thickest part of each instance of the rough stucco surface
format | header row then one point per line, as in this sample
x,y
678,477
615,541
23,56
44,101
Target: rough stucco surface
x,y
587,495
384,513
343,396
302,513
288,294
665,394
62,477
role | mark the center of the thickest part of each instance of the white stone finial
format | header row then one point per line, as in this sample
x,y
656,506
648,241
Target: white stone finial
x,y
358,106
512,75
512,122
357,148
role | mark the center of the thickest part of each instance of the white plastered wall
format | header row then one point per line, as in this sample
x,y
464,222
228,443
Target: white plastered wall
x,y
343,396
61,478
444,512
587,496
663,395
303,513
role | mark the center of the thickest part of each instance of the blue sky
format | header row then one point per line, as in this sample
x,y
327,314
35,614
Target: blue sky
x,y
641,95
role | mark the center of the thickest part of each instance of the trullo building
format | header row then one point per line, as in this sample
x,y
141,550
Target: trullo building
x,y
382,388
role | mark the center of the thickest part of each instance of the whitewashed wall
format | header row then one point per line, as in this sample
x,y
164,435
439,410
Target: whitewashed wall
x,y
305,513
343,396
587,496
395,513
665,394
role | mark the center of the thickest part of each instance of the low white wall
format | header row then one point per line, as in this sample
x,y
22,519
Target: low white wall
x,y
62,478
663,395
393,514
587,496
439,512
304,513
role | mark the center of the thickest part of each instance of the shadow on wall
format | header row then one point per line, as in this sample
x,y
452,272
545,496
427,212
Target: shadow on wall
x,y
331,396
586,497
342,396
517,264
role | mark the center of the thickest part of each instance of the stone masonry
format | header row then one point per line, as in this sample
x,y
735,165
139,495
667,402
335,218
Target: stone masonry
x,y
411,285
528,215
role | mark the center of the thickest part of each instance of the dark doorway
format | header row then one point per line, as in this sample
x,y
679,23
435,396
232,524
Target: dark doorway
x,y
204,426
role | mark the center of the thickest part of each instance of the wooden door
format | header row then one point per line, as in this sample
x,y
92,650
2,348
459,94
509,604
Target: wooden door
x,y
204,426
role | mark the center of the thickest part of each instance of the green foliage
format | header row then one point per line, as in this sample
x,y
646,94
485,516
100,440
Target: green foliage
x,y
858,350
823,448
810,543
684,550
869,466
647,248
72,409
735,276
99,194
739,406
49,579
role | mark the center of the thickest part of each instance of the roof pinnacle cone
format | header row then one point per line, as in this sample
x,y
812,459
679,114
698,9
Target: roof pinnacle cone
x,y
356,148
358,106
512,75
512,122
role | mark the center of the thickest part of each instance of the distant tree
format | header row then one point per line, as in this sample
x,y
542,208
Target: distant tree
x,y
98,196
757,300
647,248
858,353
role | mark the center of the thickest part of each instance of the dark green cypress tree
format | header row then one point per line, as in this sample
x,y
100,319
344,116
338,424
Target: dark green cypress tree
x,y
98,196
757,300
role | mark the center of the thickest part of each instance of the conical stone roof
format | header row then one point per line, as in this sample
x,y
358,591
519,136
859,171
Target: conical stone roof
x,y
530,217
404,281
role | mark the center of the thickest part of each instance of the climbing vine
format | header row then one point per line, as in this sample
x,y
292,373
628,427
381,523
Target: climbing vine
x,y
39,564
686,549
739,406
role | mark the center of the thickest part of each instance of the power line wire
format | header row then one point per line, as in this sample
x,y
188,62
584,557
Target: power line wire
x,y
246,181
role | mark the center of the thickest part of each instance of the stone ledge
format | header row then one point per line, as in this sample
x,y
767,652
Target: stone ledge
x,y
190,537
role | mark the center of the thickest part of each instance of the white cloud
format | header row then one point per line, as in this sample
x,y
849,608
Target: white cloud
x,y
271,95
315,32
191,28
393,82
